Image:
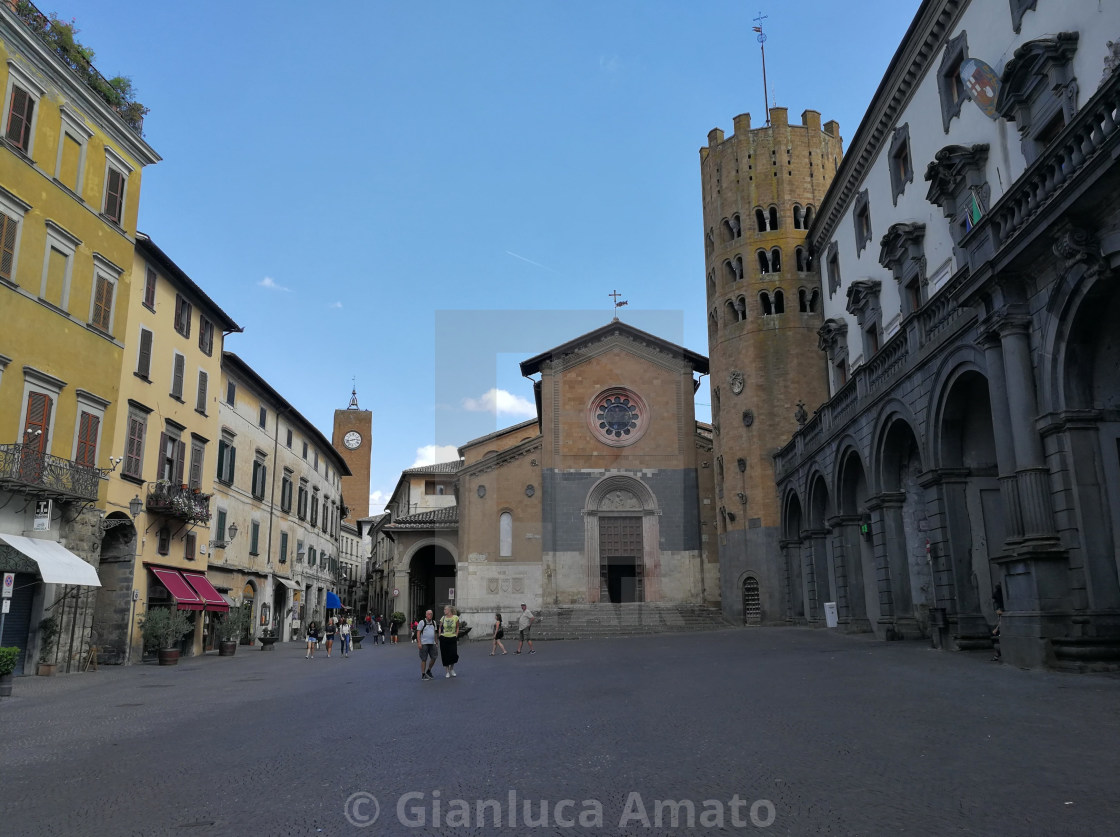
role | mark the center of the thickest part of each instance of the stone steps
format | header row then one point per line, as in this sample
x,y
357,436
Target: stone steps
x,y
597,621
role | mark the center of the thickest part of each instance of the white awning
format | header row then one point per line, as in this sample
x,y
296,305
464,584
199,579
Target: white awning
x,y
291,585
57,564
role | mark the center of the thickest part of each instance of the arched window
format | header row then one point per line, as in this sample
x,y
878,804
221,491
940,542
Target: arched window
x,y
726,231
711,281
736,225
808,217
779,302
713,323
764,304
776,260
710,243
741,307
505,535
773,217
798,217
738,267
763,262
802,301
814,301
760,219
730,314
729,271
799,257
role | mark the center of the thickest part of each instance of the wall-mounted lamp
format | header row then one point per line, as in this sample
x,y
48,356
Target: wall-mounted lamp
x,y
231,532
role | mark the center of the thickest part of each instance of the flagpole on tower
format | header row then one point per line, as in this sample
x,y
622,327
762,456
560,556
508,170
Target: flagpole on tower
x,y
762,46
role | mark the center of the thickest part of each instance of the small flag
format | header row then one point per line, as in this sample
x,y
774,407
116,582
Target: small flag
x,y
756,28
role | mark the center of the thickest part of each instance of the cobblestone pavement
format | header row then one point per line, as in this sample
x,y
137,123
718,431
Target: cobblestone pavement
x,y
839,735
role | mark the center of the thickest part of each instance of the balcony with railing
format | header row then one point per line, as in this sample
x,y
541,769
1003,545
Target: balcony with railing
x,y
180,502
26,468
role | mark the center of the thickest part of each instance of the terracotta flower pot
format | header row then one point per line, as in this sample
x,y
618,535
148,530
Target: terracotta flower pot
x,y
169,656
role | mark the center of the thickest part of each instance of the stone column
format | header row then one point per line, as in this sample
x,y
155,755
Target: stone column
x,y
847,550
821,575
894,551
795,591
989,341
953,552
808,568
882,565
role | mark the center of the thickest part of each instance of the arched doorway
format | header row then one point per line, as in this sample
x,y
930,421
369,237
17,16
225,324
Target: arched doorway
x,y
622,535
752,602
114,613
791,549
818,576
858,556
905,529
248,602
431,578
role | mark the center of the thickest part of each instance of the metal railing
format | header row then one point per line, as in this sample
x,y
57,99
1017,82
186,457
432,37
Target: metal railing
x,y
179,501
27,467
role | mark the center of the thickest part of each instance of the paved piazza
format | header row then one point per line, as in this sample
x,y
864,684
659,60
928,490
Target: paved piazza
x,y
778,731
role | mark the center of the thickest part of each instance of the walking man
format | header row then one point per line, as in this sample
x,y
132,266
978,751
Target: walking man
x,y
524,625
426,642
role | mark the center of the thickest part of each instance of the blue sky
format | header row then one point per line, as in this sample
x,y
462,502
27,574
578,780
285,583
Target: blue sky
x,y
379,190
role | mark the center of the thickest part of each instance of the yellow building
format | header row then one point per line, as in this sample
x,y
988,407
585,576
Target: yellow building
x,y
69,190
168,428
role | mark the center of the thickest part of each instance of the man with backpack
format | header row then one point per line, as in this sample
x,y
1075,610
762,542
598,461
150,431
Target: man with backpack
x,y
426,642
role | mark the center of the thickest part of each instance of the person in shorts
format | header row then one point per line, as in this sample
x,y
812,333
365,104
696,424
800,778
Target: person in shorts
x,y
312,639
426,642
524,625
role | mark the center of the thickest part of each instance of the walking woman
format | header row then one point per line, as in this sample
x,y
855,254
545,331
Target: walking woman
x,y
449,641
312,639
498,634
330,635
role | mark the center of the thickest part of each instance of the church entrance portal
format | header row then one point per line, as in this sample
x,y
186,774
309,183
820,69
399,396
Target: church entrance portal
x,y
620,560
431,578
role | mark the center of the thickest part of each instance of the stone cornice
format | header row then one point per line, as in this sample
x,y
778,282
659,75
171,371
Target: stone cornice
x,y
504,457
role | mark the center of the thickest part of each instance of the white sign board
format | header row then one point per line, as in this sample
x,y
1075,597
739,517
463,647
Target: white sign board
x,y
451,593
7,606
42,515
9,585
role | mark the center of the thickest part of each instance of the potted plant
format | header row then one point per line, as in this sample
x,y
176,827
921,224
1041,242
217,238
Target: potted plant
x,y
48,638
268,638
9,655
230,630
162,629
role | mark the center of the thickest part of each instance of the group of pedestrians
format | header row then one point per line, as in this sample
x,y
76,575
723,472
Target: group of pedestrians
x,y
338,627
524,625
446,630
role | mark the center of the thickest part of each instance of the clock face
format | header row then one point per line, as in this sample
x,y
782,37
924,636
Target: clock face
x,y
352,439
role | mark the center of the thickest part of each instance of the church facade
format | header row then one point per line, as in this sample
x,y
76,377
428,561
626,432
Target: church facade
x,y
605,497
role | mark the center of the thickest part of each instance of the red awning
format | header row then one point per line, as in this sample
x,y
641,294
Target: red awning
x,y
185,597
213,599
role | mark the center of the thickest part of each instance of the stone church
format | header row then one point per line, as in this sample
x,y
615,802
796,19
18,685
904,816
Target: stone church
x,y
605,497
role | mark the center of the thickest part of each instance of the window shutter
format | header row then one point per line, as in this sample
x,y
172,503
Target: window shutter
x,y
202,380
232,464
165,473
103,303
144,362
197,454
132,464
180,459
19,119
189,546
220,533
87,440
222,448
150,289
177,376
114,195
7,245
38,418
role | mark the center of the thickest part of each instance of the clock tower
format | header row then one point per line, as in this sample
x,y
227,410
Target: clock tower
x,y
351,438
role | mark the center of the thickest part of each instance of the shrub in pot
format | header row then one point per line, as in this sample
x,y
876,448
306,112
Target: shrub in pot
x,y
9,655
230,629
162,629
48,639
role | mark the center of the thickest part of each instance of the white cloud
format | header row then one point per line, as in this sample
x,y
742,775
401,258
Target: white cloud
x,y
377,501
272,285
335,305
502,403
431,454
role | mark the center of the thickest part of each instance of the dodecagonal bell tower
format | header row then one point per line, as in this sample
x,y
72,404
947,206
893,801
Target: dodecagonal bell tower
x,y
761,188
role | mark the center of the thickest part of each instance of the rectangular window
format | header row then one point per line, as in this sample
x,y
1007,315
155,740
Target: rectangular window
x,y
36,427
220,526
227,461
20,111
87,440
299,552
286,493
260,471
254,538
190,546
311,556
205,336
134,449
264,417
183,310
70,162
305,451
231,394
8,228
115,181
172,458
198,453
283,547
144,356
200,401
316,462
289,438
56,279
177,371
301,504
150,290
102,314
314,509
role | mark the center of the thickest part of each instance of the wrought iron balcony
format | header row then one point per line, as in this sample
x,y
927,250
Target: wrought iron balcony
x,y
26,468
179,501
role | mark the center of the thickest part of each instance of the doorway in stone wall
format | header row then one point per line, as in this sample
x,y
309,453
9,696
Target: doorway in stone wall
x,y
752,602
620,560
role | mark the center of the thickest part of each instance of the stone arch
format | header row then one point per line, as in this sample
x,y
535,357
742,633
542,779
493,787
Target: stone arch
x,y
814,300
752,599
799,259
854,555
736,226
779,301
729,270
432,564
774,217
764,305
792,526
624,503
892,411
798,217
726,232
763,261
808,216
820,585
776,260
760,219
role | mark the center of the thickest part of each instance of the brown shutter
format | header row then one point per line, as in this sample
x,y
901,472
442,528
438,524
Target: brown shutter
x,y
87,440
103,303
177,377
135,449
150,289
190,548
144,363
114,195
163,473
38,418
200,403
180,459
19,119
7,245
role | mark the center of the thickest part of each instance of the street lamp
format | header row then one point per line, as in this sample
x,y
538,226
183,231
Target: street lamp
x,y
231,531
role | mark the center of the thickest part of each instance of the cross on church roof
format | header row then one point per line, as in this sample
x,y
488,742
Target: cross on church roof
x,y
615,295
354,397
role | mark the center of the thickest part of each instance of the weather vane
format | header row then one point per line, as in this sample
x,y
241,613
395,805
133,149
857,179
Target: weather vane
x,y
617,303
762,46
